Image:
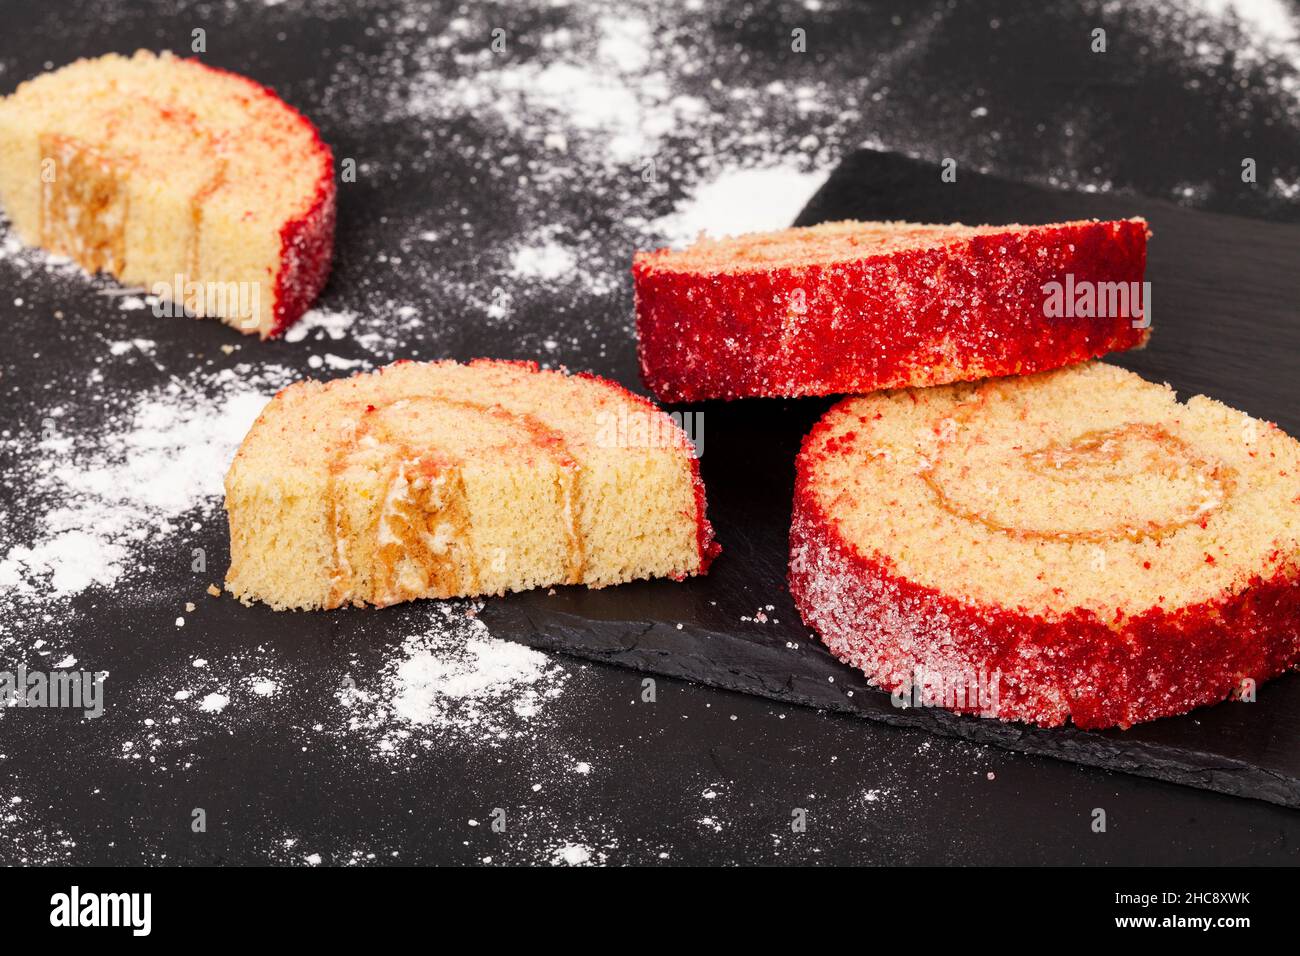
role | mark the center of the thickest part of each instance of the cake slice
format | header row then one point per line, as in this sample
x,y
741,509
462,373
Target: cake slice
x,y
201,186
857,306
1072,545
442,480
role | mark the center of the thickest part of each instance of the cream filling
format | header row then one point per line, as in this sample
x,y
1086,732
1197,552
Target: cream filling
x,y
403,491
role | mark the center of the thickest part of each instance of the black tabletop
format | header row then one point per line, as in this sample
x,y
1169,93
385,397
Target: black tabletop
x,y
508,160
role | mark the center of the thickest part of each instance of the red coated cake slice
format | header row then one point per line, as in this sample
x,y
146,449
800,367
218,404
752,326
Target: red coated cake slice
x,y
1074,545
858,306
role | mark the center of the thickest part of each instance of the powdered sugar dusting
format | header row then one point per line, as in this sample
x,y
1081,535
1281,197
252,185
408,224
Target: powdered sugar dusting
x,y
550,261
573,854
326,323
452,682
214,703
106,493
729,204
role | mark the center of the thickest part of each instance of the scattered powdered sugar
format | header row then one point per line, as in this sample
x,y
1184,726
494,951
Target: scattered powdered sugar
x,y
574,854
66,562
1272,24
336,363
103,494
547,262
326,323
452,683
33,838
214,703
146,346
600,126
623,126
26,260
288,851
726,204
178,708
429,680
601,84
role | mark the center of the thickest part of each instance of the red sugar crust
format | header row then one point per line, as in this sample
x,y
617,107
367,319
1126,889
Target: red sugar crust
x,y
306,253
971,308
1075,667
306,240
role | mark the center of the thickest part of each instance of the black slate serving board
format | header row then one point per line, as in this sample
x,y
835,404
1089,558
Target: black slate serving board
x,y
1225,291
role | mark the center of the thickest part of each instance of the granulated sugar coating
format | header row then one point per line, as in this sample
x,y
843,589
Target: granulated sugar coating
x,y
815,310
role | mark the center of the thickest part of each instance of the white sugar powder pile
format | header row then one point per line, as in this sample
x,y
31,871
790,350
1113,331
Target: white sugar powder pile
x,y
453,683
214,703
547,262
327,323
737,201
430,680
572,854
100,496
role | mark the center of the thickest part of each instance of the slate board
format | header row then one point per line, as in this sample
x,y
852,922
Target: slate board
x,y
1225,294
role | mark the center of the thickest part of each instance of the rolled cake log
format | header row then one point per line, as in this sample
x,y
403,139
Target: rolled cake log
x,y
1074,545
